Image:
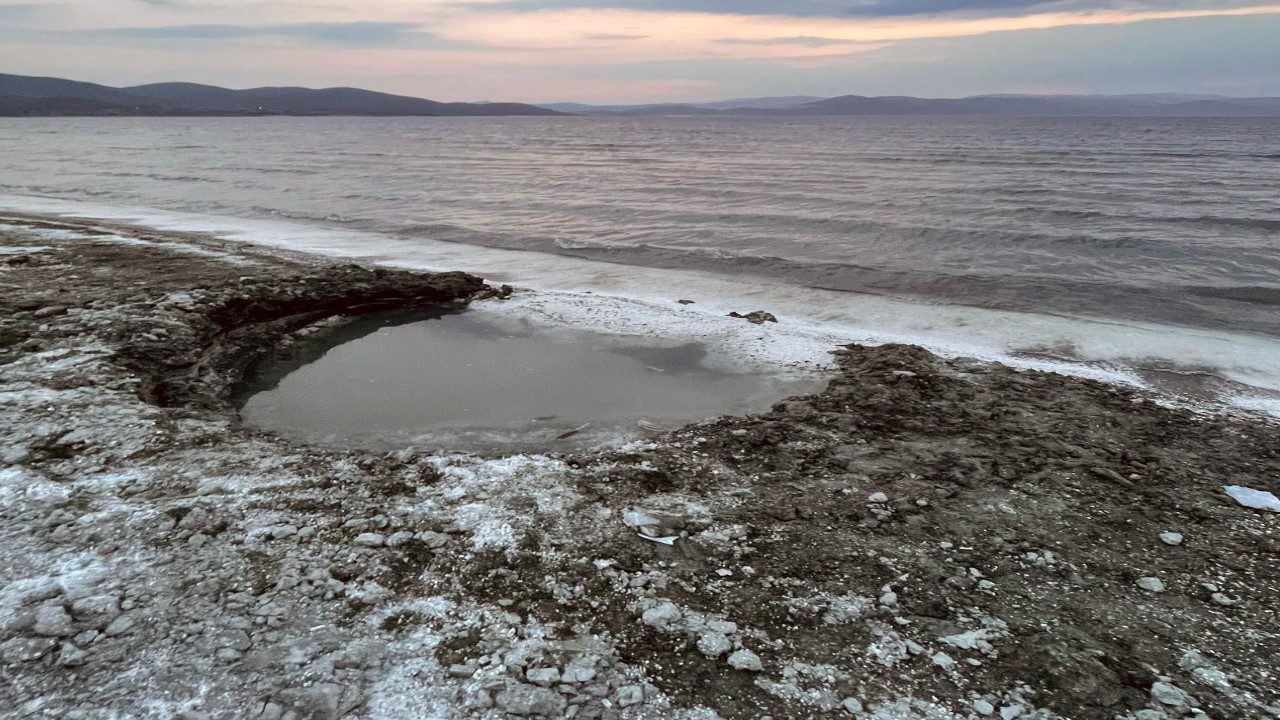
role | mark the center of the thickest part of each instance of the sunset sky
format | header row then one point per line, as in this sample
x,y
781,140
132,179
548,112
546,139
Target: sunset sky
x,y
657,50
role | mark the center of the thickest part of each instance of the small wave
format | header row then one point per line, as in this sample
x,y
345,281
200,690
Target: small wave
x,y
1256,295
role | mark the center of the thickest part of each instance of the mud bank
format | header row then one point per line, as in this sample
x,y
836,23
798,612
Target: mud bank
x,y
923,539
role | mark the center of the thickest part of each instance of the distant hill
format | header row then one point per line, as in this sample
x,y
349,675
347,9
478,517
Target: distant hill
x,y
1154,105
760,103
33,96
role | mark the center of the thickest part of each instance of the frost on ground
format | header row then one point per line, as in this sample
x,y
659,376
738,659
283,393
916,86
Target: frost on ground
x,y
923,539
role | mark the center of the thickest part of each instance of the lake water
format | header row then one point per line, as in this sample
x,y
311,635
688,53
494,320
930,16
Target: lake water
x,y
1147,245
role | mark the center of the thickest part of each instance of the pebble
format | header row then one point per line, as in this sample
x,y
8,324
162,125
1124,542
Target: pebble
x,y
1171,538
745,660
889,599
1151,583
399,538
982,707
576,675
852,705
370,539
714,644
943,660
1009,712
878,498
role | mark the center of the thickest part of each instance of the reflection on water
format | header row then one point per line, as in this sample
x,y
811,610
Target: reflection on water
x,y
456,382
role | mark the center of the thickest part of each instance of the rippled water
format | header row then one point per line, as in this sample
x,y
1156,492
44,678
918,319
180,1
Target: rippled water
x,y
1168,220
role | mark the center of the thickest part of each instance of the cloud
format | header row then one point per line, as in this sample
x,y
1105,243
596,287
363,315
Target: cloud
x,y
611,36
21,12
352,34
804,41
868,8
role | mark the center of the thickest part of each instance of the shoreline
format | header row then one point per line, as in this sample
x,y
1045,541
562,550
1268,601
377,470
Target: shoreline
x,y
926,537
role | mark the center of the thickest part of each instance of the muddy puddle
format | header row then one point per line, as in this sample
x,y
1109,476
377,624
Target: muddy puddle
x,y
457,381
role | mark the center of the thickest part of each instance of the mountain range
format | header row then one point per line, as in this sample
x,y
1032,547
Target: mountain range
x,y
38,96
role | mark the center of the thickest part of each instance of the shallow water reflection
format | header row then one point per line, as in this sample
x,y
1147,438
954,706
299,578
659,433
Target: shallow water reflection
x,y
457,382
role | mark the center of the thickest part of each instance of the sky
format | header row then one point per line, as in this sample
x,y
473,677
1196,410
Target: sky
x,y
634,51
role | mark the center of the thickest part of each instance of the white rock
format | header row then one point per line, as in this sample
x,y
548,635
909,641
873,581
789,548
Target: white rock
x,y
878,498
664,616
713,644
1256,499
982,707
943,660
630,695
1152,584
1009,712
745,660
52,621
852,705
370,539
889,599
1171,538
543,676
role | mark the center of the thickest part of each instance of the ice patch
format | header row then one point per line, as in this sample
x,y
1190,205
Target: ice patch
x,y
1256,499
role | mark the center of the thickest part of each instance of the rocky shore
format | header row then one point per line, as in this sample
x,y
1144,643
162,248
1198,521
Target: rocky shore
x,y
925,538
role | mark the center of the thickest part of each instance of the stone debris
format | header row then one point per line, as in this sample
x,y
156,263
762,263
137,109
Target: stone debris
x,y
1171,538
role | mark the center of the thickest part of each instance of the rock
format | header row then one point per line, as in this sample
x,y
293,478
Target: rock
x,y
1171,538
1169,694
982,707
714,644
52,621
852,705
50,311
543,676
1009,712
228,655
370,539
1150,714
630,695
577,675
664,616
1151,584
121,625
1256,499
878,498
433,540
1222,599
889,599
72,656
530,700
26,649
745,660
943,660
399,538
280,532
756,317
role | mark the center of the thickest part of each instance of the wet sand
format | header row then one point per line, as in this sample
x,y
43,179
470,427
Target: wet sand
x,y
923,538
